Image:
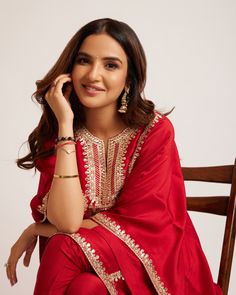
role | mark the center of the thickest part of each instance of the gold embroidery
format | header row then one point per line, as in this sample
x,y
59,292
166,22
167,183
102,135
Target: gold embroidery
x,y
141,141
116,276
140,253
104,177
94,259
85,202
43,207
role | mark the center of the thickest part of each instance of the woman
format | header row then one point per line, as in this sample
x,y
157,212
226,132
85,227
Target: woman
x,y
111,195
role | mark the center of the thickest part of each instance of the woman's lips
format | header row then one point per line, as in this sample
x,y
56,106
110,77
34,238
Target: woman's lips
x,y
92,90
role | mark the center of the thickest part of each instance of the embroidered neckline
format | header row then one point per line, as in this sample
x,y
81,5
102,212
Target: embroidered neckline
x,y
116,137
105,174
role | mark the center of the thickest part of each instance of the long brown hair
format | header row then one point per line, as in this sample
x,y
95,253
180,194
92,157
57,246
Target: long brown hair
x,y
140,110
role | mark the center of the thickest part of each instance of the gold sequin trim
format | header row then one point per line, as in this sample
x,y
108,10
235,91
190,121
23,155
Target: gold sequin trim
x,y
94,259
85,202
116,276
43,207
140,253
141,141
104,174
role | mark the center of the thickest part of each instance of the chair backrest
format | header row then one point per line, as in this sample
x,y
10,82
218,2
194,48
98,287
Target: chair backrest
x,y
220,205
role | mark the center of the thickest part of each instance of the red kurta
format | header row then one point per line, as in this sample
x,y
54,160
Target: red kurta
x,y
137,195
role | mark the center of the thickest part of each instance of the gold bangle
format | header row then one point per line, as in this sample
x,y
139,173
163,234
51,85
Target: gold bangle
x,y
65,176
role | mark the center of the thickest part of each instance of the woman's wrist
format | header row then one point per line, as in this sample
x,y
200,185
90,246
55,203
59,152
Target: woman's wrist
x,y
42,229
66,130
31,230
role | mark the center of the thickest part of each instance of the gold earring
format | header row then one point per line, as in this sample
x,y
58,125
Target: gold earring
x,y
124,104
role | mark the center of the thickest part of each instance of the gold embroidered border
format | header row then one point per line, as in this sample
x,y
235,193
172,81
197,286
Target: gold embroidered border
x,y
141,141
88,157
94,259
142,256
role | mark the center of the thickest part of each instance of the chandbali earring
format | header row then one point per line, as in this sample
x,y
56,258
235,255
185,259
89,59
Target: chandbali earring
x,y
124,102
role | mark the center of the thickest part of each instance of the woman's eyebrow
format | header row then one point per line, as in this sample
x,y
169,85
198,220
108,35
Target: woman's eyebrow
x,y
84,54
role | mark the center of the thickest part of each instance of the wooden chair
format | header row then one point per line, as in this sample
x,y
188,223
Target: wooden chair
x,y
220,205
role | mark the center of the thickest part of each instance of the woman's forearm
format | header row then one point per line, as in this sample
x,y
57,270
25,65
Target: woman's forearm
x,y
43,229
65,204
48,229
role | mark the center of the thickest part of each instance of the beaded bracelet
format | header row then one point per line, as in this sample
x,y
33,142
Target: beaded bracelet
x,y
65,138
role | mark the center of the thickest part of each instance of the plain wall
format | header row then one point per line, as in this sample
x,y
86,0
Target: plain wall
x,y
190,47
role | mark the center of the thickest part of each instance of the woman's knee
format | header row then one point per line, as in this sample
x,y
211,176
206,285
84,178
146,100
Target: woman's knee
x,y
63,250
58,241
59,250
61,245
87,284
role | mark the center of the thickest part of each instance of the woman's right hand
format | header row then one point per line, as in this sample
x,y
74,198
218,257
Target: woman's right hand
x,y
58,100
25,244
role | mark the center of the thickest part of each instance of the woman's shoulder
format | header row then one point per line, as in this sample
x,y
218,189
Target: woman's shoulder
x,y
160,125
157,134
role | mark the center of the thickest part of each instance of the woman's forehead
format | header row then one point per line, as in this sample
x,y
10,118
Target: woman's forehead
x,y
102,45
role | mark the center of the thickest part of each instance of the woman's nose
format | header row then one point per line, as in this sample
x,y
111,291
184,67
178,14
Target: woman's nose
x,y
94,72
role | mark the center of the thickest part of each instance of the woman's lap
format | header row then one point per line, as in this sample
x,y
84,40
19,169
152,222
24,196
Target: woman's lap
x,y
65,269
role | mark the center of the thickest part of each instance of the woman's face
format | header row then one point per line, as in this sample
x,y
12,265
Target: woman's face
x,y
100,72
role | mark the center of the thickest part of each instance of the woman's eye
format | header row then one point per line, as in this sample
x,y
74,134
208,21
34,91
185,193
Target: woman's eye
x,y
82,60
111,66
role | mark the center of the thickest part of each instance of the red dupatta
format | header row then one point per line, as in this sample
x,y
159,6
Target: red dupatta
x,y
150,217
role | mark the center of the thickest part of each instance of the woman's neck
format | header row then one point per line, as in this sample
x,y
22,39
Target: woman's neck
x,y
103,123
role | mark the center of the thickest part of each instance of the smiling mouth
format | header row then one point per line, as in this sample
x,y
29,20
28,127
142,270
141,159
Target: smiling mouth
x,y
92,88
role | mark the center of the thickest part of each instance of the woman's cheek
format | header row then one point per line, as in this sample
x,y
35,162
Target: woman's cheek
x,y
117,79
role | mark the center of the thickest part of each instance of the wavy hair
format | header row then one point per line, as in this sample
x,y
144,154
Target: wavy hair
x,y
140,110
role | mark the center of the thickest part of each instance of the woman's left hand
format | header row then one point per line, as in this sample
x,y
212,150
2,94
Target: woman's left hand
x,y
25,244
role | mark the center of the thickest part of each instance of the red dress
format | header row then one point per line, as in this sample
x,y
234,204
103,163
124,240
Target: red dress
x,y
136,194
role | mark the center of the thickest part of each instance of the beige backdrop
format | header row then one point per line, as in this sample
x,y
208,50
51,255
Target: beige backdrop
x,y
190,47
